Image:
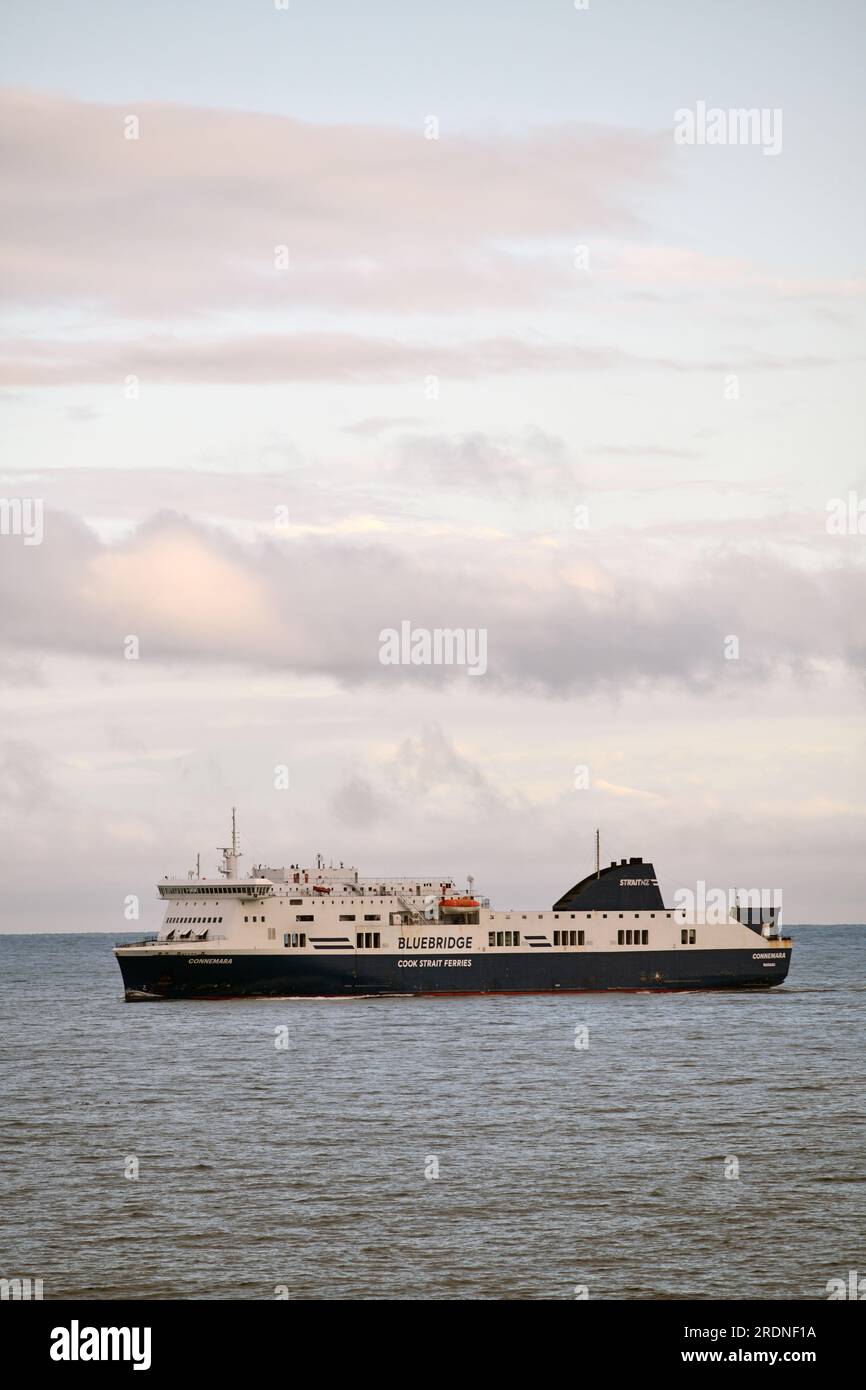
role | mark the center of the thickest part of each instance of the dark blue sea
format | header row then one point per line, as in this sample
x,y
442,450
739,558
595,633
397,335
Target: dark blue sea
x,y
304,1170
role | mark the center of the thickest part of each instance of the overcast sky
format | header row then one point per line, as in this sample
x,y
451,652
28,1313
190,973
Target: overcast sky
x,y
326,319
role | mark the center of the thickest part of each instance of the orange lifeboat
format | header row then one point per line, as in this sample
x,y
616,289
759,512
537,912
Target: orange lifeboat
x,y
459,902
320,888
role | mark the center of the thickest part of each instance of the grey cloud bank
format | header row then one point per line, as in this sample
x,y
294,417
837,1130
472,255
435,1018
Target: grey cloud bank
x,y
316,606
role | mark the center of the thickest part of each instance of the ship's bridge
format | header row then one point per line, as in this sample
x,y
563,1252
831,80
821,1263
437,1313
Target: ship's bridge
x,y
244,888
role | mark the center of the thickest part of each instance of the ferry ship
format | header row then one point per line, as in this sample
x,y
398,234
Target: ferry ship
x,y
326,932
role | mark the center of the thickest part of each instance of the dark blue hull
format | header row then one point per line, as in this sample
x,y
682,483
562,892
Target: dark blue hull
x,y
176,975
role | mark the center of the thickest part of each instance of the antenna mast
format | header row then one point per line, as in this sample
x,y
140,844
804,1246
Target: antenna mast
x,y
229,866
597,855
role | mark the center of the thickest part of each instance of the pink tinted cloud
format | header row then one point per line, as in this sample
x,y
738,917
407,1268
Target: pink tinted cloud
x,y
187,215
351,358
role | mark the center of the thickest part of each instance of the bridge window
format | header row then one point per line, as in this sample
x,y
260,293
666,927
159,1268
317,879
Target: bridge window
x,y
372,917
347,916
304,917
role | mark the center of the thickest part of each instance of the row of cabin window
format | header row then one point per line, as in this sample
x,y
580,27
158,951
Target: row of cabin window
x,y
572,915
503,938
219,889
193,919
368,940
294,938
633,938
299,902
308,917
569,938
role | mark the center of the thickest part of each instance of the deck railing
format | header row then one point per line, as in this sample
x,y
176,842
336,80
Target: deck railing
x,y
175,941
